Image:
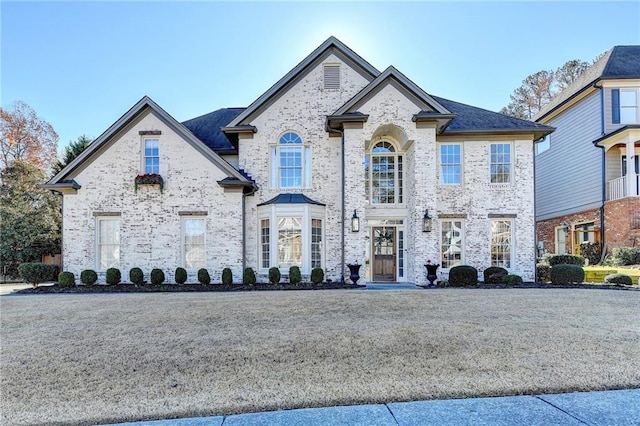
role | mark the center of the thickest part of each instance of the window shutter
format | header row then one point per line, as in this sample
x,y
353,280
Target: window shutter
x,y
615,106
331,76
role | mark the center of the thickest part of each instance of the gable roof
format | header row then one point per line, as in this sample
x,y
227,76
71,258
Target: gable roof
x,y
621,62
208,128
331,45
143,105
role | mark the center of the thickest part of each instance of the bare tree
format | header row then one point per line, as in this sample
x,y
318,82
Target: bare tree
x,y
535,92
26,137
570,72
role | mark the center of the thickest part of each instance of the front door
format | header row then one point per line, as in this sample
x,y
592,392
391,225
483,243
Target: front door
x,y
384,253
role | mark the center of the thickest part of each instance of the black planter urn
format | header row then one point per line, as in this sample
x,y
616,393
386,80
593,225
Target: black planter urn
x,y
354,270
431,273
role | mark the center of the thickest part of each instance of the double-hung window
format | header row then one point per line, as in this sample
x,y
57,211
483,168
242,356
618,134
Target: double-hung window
x,y
384,174
451,243
290,163
625,106
193,242
500,167
502,242
108,242
450,164
151,156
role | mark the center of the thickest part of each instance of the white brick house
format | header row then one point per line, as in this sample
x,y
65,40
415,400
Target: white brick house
x,y
278,183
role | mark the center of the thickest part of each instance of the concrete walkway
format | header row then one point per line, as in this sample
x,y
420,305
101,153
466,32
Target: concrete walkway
x,y
620,407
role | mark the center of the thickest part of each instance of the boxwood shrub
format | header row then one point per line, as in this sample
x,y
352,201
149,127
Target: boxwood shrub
x,y
136,276
618,279
113,276
227,276
157,276
317,276
88,277
249,276
512,279
203,276
37,272
463,275
180,276
567,274
66,279
494,275
566,259
274,275
294,275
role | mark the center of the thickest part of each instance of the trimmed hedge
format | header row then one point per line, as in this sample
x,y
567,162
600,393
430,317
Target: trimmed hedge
x,y
274,275
294,275
567,274
113,276
66,279
463,275
512,279
136,276
494,275
157,276
227,276
566,259
180,276
37,272
203,276
618,279
543,272
249,276
317,276
88,277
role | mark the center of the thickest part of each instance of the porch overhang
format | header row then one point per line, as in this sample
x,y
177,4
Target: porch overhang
x,y
626,135
63,187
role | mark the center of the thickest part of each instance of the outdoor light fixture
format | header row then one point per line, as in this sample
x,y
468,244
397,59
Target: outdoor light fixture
x,y
355,222
426,222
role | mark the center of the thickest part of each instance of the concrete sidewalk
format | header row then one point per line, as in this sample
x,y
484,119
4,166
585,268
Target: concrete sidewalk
x,y
620,407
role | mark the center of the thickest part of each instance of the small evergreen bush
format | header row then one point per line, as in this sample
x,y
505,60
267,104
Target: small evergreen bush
x,y
227,276
203,277
157,276
274,275
249,276
180,276
543,272
136,276
494,275
294,275
37,272
317,276
623,256
113,276
463,275
618,279
566,259
66,279
88,277
567,274
512,279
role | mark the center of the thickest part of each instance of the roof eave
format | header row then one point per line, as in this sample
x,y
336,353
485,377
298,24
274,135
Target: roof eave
x,y
537,132
68,187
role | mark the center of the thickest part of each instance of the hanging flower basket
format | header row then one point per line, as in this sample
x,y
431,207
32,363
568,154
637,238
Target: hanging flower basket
x,y
149,179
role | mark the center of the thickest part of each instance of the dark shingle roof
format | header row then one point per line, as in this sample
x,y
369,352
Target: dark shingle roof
x,y
470,118
207,128
623,62
291,199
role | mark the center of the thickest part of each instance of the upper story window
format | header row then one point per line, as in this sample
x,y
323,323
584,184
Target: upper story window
x,y
331,76
543,145
624,106
500,167
151,156
384,174
450,164
290,163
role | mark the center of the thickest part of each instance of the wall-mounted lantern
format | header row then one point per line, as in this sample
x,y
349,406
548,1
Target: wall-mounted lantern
x,y
426,222
355,222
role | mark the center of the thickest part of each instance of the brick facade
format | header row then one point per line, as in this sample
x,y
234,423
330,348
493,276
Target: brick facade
x,y
546,229
622,222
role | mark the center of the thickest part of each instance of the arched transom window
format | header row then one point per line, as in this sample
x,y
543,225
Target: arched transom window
x,y
383,168
290,163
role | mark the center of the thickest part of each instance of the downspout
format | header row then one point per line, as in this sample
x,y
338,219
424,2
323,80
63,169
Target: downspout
x,y
535,220
603,171
342,260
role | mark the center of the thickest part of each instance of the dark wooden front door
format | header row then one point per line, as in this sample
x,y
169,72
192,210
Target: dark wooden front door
x,y
384,254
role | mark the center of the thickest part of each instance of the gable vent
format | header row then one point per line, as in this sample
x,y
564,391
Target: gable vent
x,y
332,76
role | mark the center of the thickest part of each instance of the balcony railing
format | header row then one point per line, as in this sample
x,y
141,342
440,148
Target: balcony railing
x,y
617,188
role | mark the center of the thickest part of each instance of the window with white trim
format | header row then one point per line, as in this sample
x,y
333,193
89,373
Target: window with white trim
x,y
265,243
384,174
290,163
502,242
316,243
451,243
194,242
151,156
450,164
107,242
500,167
628,106
289,242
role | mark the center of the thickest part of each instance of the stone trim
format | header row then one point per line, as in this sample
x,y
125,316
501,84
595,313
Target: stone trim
x,y
498,215
193,213
96,214
149,132
452,216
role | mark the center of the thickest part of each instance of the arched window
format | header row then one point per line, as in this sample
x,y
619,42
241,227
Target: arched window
x,y
290,163
383,169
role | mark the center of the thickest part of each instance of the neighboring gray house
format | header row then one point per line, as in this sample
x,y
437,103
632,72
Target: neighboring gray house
x,y
587,170
336,163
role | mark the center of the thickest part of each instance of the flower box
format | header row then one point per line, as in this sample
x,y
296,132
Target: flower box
x,y
149,179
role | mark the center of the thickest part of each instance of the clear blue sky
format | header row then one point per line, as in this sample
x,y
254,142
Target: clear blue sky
x,y
81,65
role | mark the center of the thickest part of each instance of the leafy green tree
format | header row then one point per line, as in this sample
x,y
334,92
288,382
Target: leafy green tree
x,y
30,219
70,153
